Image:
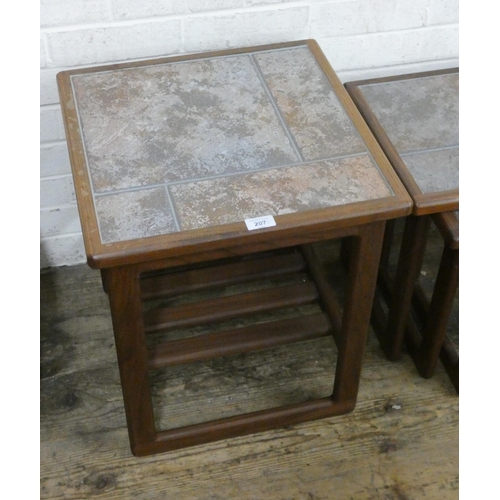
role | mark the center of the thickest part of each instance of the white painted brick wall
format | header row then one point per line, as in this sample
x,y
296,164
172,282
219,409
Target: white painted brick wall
x,y
253,28
54,159
64,12
361,38
132,9
96,44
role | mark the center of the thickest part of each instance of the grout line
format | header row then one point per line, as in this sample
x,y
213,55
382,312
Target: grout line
x,y
277,110
53,142
63,206
50,107
62,235
367,151
430,150
264,169
231,174
57,176
172,207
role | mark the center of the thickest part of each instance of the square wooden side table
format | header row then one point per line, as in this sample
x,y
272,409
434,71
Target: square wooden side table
x,y
415,118
221,168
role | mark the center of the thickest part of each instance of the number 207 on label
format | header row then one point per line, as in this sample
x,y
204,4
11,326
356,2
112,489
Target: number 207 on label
x,y
260,222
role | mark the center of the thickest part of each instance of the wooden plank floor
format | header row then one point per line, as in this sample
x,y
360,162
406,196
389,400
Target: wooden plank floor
x,y
400,442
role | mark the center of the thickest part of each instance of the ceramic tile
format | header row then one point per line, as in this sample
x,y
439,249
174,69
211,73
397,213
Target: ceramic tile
x,y
278,191
314,114
419,113
134,214
434,171
186,120
218,140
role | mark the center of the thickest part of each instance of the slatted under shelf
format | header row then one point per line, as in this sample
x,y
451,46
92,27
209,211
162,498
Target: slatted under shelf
x,y
311,288
222,273
239,340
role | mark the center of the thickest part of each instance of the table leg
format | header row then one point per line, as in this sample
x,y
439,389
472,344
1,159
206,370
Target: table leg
x,y
387,245
434,332
401,292
449,358
104,279
364,256
126,312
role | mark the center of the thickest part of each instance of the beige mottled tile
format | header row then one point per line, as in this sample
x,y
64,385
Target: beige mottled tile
x,y
278,191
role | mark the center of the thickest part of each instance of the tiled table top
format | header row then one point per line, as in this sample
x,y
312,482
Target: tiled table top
x,y
420,116
196,143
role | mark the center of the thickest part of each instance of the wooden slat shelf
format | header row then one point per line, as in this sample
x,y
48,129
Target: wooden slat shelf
x,y
301,263
277,282
165,285
239,340
225,308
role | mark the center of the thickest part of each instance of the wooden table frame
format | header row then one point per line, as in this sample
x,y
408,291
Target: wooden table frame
x,y
123,284
123,263
399,291
431,343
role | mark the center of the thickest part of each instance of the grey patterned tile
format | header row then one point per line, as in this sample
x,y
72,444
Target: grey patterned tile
x,y
317,119
434,171
187,120
134,214
419,113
